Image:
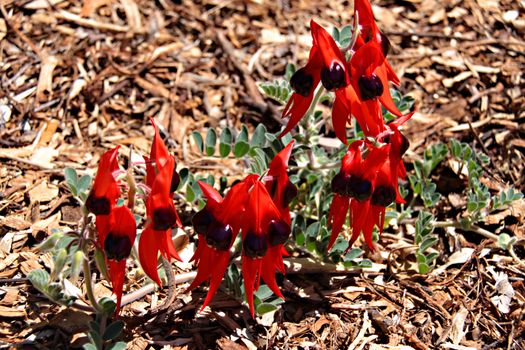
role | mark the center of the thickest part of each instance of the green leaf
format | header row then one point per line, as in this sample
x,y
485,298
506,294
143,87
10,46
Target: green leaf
x,y
84,183
198,140
118,346
211,141
259,138
40,279
427,243
50,242
423,268
289,71
263,308
89,347
190,194
107,305
353,254
241,148
113,330
71,176
503,241
225,145
264,292
431,257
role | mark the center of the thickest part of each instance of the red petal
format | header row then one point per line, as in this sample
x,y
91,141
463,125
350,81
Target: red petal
x,y
250,270
340,114
116,273
105,184
337,216
269,264
149,246
327,47
158,152
220,263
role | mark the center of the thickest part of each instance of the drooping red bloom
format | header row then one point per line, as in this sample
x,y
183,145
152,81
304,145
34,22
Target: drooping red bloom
x,y
326,64
264,219
119,237
105,191
217,226
263,231
160,210
362,187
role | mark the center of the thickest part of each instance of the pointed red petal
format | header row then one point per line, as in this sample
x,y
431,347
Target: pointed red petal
x,y
327,47
337,216
116,273
158,152
340,115
220,263
149,246
250,270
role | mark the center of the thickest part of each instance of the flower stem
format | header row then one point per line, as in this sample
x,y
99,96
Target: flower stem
x,y
89,287
472,228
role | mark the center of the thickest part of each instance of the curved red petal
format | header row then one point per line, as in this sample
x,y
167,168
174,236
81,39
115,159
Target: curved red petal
x,y
220,264
337,216
250,269
158,152
340,115
117,270
149,246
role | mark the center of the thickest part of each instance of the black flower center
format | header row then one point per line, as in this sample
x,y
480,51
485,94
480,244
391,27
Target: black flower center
x,y
360,189
383,196
405,144
164,218
333,77
279,231
302,82
254,245
219,236
98,205
340,183
175,180
117,247
289,193
202,220
370,87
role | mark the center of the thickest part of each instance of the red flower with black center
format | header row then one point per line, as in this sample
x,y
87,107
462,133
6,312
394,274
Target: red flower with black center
x,y
263,231
326,64
162,217
105,192
119,237
355,188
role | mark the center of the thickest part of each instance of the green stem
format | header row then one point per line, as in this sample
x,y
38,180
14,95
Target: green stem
x,y
472,228
89,287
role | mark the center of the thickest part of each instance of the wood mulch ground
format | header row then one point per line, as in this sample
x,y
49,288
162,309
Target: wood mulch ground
x,y
79,77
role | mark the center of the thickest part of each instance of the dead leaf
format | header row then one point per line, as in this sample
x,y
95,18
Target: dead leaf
x,y
43,192
11,312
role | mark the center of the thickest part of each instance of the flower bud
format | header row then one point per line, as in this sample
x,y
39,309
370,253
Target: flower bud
x,y
370,87
302,82
278,232
76,265
60,261
254,245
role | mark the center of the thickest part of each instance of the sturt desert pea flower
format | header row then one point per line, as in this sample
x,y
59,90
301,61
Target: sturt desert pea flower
x,y
371,73
217,226
354,188
162,217
105,191
326,64
262,229
158,157
117,244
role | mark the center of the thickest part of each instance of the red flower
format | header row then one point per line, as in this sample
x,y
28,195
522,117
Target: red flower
x,y
162,216
362,188
327,65
158,157
119,237
105,191
263,233
279,185
217,228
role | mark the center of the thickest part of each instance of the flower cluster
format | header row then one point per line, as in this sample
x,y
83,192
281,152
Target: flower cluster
x,y
360,84
258,207
115,224
367,181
